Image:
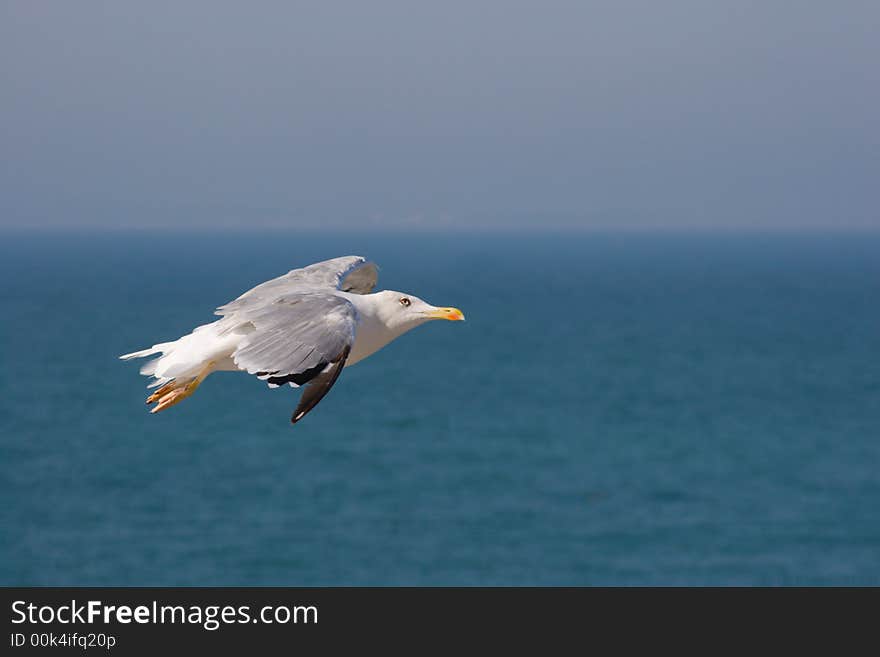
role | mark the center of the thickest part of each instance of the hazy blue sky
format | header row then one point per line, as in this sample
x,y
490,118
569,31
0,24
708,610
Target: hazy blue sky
x,y
619,113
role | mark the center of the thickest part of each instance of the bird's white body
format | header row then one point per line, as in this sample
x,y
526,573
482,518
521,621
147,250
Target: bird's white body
x,y
209,348
301,328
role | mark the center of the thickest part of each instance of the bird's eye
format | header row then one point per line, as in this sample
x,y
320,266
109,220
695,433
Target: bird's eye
x,y
405,302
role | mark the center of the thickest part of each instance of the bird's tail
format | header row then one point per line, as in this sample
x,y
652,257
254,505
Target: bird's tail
x,y
155,349
181,365
149,369
172,389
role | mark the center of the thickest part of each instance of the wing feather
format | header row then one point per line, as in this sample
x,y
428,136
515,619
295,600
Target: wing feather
x,y
295,333
296,330
349,274
319,386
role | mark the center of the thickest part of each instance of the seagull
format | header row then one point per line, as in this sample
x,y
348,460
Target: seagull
x,y
301,328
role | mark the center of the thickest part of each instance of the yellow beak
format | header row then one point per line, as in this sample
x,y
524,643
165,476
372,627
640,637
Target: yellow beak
x,y
452,314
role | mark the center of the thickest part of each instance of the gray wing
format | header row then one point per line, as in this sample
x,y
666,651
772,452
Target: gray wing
x,y
348,273
298,339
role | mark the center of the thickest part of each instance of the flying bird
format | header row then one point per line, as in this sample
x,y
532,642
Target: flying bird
x,y
301,328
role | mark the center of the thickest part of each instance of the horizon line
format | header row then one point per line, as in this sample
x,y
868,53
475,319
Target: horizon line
x,y
451,229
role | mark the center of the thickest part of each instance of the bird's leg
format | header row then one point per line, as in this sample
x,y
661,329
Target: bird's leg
x,y
180,391
161,392
176,391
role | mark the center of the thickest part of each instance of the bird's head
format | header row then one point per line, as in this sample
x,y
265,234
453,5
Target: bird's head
x,y
403,311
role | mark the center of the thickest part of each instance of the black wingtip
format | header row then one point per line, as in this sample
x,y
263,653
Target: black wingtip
x,y
319,386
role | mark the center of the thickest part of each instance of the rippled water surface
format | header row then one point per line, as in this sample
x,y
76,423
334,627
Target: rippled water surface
x,y
617,409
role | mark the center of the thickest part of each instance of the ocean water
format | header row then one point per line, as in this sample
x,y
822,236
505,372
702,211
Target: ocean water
x,y
617,409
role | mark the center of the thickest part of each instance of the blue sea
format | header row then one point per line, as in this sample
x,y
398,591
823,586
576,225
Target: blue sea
x,y
642,408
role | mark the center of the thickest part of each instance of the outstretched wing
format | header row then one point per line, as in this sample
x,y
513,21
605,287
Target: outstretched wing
x,y
348,274
298,339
